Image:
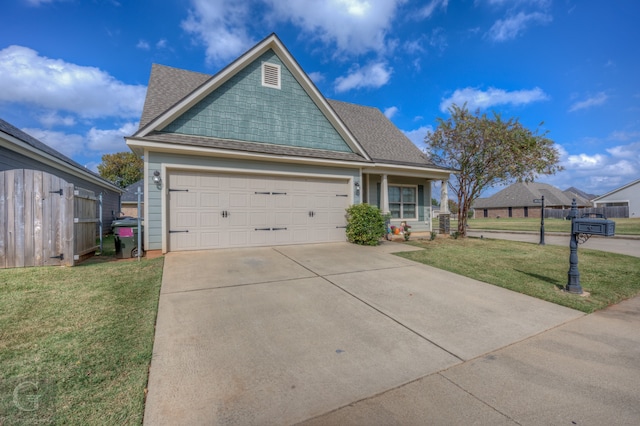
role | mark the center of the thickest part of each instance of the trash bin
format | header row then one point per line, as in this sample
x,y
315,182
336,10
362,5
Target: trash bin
x,y
126,240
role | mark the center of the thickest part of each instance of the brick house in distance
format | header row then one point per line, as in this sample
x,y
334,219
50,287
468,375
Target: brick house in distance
x,y
517,201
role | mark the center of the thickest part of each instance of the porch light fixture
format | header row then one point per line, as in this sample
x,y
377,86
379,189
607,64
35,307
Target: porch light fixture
x,y
156,178
357,184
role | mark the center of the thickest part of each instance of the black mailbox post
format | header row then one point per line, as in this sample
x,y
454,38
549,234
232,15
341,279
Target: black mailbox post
x,y
581,230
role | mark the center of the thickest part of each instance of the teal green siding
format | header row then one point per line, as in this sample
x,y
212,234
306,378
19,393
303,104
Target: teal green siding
x,y
242,109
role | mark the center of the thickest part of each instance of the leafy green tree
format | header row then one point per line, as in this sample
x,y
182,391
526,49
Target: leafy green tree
x,y
122,168
488,151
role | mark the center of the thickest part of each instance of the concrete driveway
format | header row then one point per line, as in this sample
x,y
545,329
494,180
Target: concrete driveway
x,y
285,334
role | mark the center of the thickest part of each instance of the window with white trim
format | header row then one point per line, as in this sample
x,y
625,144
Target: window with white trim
x,y
403,201
271,75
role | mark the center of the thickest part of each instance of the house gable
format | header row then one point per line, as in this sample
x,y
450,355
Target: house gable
x,y
245,109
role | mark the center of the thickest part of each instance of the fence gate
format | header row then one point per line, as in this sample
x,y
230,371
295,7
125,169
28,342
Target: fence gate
x,y
38,221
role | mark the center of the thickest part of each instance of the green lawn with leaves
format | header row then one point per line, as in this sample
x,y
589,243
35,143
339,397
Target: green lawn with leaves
x,y
76,343
538,271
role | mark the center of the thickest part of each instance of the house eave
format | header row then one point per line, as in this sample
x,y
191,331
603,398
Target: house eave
x,y
140,146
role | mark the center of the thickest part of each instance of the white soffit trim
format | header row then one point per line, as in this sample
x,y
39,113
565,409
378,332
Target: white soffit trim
x,y
149,146
274,43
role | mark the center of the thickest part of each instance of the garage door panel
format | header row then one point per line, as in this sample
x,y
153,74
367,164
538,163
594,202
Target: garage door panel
x,y
225,210
209,239
209,199
238,200
208,220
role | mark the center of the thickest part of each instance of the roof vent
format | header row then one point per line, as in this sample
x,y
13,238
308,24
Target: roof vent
x,y
271,75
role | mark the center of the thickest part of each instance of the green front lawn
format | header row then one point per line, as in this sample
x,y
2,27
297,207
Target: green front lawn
x,y
538,271
76,343
624,226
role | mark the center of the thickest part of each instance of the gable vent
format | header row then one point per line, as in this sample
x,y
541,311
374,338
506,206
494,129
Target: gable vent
x,y
271,75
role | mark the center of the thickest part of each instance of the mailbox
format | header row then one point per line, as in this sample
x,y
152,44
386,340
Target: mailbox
x,y
602,227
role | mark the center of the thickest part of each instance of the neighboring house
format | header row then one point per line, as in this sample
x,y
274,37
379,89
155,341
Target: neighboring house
x,y
18,150
130,199
517,200
626,196
255,155
580,196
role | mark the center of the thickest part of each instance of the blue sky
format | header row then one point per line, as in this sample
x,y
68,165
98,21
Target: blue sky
x,y
73,73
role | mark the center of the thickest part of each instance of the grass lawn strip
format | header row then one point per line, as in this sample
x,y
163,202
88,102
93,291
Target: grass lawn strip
x,y
76,342
623,226
538,271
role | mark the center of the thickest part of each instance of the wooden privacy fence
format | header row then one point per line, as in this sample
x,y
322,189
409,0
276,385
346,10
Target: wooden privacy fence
x,y
609,212
44,220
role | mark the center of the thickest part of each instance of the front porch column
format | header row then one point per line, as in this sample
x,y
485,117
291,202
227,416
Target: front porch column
x,y
445,216
384,195
444,197
427,205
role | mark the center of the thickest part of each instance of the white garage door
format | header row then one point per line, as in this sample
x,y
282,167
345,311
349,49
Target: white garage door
x,y
208,210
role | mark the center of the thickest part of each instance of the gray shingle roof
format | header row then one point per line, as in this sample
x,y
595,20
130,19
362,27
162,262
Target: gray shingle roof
x,y
579,195
167,86
130,195
523,194
380,138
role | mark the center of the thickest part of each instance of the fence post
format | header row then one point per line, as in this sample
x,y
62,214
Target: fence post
x,y
100,219
139,193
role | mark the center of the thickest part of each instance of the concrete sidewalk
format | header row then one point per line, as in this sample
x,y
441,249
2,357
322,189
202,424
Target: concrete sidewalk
x,y
286,334
585,372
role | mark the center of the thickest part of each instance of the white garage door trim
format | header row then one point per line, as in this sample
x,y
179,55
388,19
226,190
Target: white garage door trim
x,y
293,234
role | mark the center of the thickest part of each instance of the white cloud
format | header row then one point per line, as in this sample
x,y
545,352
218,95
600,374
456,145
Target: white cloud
x,y
596,100
390,112
428,10
509,28
95,141
111,140
417,135
53,84
373,75
316,77
143,44
476,98
584,161
355,26
68,144
52,119
161,44
220,26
